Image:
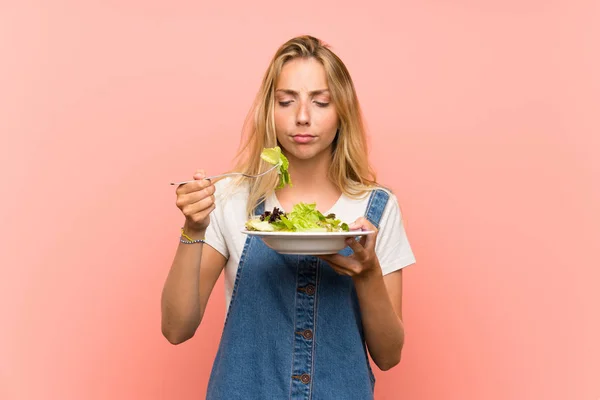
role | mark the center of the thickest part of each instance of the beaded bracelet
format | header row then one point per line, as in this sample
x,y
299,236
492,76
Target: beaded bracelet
x,y
189,239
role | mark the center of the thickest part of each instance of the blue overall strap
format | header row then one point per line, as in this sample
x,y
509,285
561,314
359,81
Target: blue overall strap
x,y
260,208
376,206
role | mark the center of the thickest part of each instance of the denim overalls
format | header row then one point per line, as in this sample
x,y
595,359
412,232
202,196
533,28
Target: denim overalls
x,y
293,329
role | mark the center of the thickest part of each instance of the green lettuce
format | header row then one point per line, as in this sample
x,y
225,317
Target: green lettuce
x,y
303,218
274,156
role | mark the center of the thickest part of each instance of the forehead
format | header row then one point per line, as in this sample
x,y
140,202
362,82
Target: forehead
x,y
302,75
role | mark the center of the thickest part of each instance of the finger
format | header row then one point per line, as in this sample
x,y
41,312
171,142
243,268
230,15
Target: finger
x,y
200,174
341,271
363,224
370,240
194,186
196,196
363,240
184,200
199,206
336,259
350,268
358,224
356,247
337,268
202,215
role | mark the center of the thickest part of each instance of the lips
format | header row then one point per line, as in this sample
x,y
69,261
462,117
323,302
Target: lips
x,y
303,138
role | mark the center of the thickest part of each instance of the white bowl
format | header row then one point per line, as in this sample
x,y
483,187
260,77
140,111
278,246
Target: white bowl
x,y
306,243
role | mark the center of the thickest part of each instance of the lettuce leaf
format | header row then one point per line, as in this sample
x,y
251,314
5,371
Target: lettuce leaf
x,y
303,218
274,156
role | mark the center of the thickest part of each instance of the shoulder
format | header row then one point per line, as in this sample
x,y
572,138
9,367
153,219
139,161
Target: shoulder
x,y
381,203
392,205
366,195
377,202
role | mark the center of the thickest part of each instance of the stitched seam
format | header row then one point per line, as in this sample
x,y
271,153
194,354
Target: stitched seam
x,y
314,338
238,276
294,329
369,205
376,211
379,199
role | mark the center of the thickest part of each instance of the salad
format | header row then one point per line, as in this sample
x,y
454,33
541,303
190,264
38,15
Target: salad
x,y
275,156
303,218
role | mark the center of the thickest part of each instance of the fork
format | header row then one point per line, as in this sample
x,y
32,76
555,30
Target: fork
x,y
230,174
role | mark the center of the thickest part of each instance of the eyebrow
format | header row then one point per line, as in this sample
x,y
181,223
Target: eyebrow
x,y
312,93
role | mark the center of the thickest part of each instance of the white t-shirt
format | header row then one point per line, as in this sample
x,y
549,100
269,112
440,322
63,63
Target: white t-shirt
x,y
227,221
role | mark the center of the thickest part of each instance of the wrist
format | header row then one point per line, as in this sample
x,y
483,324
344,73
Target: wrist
x,y
191,233
368,276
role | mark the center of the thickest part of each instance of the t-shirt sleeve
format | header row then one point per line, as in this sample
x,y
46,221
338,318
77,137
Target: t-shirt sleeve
x,y
215,237
393,248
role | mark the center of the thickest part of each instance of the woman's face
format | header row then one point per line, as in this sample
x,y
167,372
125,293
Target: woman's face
x,y
306,120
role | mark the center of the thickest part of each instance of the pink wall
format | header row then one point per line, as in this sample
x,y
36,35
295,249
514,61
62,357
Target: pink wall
x,y
484,118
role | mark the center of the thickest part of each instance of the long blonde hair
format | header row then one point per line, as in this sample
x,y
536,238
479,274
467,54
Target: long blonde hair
x,y
350,169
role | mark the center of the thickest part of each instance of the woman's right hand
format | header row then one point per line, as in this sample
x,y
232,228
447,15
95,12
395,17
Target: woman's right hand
x,y
196,200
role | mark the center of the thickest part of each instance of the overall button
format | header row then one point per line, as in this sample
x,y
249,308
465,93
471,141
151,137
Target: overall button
x,y
304,378
307,334
310,290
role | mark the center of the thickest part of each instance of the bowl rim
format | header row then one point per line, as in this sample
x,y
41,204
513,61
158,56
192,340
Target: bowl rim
x,y
307,234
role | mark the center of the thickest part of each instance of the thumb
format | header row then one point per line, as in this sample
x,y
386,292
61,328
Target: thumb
x,y
200,174
356,225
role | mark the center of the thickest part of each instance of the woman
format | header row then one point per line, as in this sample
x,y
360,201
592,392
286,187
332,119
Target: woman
x,y
297,327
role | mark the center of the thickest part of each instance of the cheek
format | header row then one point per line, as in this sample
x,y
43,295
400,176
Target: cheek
x,y
278,123
281,120
330,121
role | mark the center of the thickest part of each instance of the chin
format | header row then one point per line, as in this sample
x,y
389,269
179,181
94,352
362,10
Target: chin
x,y
300,155
307,153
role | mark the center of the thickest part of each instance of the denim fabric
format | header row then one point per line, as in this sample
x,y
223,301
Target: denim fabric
x,y
293,329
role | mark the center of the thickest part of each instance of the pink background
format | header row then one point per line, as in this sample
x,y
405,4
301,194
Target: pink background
x,y
483,117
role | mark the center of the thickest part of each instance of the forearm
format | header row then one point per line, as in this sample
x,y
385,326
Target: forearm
x,y
180,301
384,330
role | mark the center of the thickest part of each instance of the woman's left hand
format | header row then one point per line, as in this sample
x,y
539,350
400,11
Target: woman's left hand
x,y
364,260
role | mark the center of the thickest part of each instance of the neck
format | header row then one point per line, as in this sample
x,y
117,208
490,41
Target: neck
x,y
308,175
310,183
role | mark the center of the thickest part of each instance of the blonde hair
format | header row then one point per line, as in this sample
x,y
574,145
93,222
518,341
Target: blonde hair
x,y
350,169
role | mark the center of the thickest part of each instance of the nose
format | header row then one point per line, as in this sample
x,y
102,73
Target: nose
x,y
303,114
